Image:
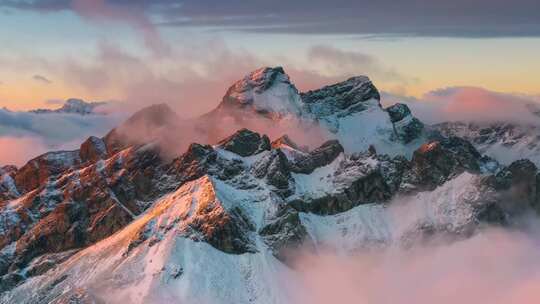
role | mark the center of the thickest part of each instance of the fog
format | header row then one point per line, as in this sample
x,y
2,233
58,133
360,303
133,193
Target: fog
x,y
496,266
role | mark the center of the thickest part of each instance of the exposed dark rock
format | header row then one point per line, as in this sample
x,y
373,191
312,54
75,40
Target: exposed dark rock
x,y
406,126
258,81
194,163
285,140
93,149
516,187
369,188
275,168
246,143
284,233
436,162
41,168
317,158
398,112
82,207
226,231
349,94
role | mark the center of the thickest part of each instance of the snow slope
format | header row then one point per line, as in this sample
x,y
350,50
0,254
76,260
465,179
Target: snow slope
x,y
153,260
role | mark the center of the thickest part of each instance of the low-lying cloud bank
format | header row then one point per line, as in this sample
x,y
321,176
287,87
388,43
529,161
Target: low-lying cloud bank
x,y
497,266
25,135
471,104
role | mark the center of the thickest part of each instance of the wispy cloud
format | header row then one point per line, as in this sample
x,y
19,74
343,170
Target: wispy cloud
x,y
40,133
41,79
133,15
471,104
461,18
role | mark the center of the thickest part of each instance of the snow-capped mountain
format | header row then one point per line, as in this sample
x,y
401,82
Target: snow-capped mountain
x,y
349,111
73,106
504,141
119,220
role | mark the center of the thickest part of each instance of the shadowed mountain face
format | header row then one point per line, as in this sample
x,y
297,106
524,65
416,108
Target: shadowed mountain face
x,y
162,205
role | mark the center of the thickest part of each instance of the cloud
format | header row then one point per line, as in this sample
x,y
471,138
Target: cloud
x,y
99,11
471,104
55,101
18,150
133,15
193,80
352,63
483,18
461,18
40,133
496,266
41,79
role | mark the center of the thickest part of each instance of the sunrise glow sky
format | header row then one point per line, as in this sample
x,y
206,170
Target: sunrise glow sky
x,y
171,51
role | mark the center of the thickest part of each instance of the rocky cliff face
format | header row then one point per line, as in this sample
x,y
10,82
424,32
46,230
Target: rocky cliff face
x,y
116,216
504,141
349,111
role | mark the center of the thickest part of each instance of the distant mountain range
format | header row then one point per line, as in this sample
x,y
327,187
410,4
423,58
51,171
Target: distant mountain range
x,y
124,219
73,106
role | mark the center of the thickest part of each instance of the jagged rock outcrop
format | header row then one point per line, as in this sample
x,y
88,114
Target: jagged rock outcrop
x,y
212,210
80,207
348,95
266,91
227,231
437,161
37,171
8,189
267,96
274,167
285,141
93,149
406,126
516,187
246,143
194,163
284,233
505,141
317,158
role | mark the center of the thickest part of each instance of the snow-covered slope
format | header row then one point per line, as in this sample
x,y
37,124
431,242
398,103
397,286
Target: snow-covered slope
x,y
161,258
349,111
224,231
505,142
117,222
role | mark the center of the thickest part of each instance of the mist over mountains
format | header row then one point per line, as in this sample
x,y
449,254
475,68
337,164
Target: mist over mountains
x,y
275,196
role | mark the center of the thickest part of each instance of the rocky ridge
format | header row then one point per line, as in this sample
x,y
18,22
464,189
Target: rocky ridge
x,y
115,201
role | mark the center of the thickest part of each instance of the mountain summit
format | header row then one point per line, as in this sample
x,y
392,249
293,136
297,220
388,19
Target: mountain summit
x,y
219,222
73,106
349,111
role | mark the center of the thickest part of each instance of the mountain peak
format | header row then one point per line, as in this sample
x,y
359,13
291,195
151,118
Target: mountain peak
x,y
345,94
266,91
73,106
155,115
147,125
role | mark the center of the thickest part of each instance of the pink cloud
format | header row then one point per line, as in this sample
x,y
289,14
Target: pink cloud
x,y
18,150
100,10
471,104
496,267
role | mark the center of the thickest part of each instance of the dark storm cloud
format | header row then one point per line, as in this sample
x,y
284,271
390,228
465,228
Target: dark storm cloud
x,y
458,18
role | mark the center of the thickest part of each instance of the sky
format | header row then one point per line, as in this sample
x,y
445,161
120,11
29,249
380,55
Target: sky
x,y
449,60
185,51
